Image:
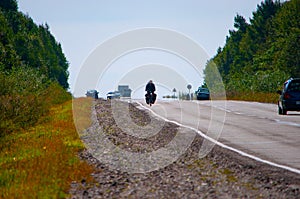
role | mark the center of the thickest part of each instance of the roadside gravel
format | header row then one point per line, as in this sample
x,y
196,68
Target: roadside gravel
x,y
221,174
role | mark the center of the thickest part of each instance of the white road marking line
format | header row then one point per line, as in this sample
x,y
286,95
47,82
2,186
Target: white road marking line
x,y
248,115
223,145
287,123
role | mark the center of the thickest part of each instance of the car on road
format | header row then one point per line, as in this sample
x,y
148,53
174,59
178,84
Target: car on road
x,y
113,95
202,94
289,99
92,93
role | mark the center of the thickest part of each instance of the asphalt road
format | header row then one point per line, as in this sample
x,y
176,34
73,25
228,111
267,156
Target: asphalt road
x,y
254,128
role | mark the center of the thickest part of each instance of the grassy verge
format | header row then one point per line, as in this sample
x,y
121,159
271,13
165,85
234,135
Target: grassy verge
x,y
42,161
253,96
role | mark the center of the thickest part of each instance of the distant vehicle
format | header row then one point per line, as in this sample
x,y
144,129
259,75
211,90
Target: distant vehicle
x,y
113,95
289,99
92,93
202,94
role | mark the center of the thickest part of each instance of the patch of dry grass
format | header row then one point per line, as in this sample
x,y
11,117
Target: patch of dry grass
x,y
254,96
42,161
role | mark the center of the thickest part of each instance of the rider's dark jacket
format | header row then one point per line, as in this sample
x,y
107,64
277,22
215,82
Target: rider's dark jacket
x,y
150,88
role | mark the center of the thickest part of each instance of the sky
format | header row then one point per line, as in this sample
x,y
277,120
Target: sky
x,y
84,28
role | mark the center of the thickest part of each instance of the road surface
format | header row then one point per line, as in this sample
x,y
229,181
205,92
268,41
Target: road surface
x,y
254,128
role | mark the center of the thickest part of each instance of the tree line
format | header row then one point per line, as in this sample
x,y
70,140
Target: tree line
x,y
261,54
25,44
33,69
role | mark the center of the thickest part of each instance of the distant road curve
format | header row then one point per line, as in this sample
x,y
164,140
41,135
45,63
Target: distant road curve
x,y
249,127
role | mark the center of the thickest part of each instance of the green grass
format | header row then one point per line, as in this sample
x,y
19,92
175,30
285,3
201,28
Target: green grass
x,y
42,161
253,96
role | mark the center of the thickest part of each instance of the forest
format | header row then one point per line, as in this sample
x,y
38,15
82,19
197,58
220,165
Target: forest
x,y
259,55
33,69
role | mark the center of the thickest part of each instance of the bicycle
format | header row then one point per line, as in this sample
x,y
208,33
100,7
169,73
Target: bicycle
x,y
150,98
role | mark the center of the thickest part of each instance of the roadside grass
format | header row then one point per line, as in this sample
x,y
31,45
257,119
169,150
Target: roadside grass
x,y
42,161
253,96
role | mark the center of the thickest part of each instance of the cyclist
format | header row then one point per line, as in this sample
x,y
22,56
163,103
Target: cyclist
x,y
150,88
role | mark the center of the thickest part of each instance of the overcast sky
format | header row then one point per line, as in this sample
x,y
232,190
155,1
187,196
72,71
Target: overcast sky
x,y
82,26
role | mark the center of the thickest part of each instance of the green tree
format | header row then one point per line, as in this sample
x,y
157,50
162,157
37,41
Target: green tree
x,y
259,56
24,44
9,5
31,66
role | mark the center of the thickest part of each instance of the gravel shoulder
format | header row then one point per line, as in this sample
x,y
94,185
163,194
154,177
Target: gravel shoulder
x,y
221,174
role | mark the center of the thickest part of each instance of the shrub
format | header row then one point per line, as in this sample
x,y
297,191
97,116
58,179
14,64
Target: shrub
x,y
55,94
25,95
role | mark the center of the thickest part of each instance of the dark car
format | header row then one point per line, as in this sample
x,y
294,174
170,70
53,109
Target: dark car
x,y
289,99
202,94
92,93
